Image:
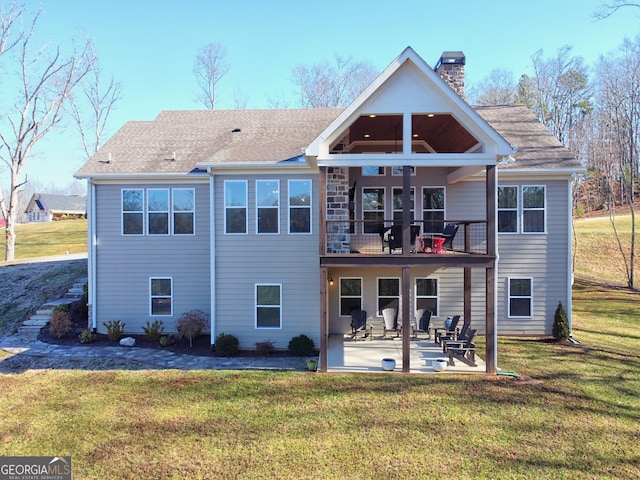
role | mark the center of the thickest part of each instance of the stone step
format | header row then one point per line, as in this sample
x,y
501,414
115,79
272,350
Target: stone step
x,y
37,322
29,331
44,311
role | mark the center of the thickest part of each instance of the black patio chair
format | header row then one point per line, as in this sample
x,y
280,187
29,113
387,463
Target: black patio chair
x,y
451,330
449,234
455,336
359,325
463,351
392,237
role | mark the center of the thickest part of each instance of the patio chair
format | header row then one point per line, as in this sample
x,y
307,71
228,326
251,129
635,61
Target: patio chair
x,y
423,323
392,237
447,331
449,234
359,326
390,316
455,337
463,351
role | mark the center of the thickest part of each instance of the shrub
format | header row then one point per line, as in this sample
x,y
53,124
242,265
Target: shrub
x,y
190,324
167,340
301,346
265,348
154,330
63,307
227,345
87,336
560,323
60,323
115,329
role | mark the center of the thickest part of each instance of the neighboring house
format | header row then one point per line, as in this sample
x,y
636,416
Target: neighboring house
x,y
45,207
270,220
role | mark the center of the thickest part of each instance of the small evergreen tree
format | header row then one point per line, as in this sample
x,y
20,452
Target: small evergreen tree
x,y
560,323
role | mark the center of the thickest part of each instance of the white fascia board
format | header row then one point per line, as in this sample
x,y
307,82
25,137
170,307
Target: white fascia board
x,y
255,168
416,160
128,179
541,173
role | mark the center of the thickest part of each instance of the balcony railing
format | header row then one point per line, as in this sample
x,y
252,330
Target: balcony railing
x,y
368,237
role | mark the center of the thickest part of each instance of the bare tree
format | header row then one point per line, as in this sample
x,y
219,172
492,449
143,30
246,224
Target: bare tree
x,y
209,69
9,15
609,8
47,79
91,109
497,88
240,99
332,85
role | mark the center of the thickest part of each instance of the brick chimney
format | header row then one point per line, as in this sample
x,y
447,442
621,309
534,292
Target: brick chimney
x,y
450,67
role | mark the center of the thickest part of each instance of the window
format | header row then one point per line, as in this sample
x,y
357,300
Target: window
x,y
508,209
520,295
533,210
433,209
158,211
399,170
161,296
372,171
183,207
350,295
299,206
268,306
397,206
388,294
133,212
235,206
267,205
427,294
373,209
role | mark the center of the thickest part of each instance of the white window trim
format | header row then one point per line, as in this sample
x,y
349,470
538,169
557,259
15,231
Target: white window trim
x,y
277,208
509,298
122,212
256,305
517,210
289,206
173,212
246,207
340,296
167,212
151,297
543,209
379,313
437,297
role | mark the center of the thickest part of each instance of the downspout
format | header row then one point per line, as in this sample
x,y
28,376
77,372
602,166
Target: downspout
x,y
91,256
570,277
212,255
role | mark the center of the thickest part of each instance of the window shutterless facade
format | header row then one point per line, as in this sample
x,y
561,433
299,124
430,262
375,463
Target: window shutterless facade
x,y
373,209
520,297
158,211
299,206
161,296
133,211
184,211
522,209
426,291
397,206
433,203
268,206
235,206
388,294
350,295
508,209
268,306
533,209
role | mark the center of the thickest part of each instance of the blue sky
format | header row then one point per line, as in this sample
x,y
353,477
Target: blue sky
x,y
150,47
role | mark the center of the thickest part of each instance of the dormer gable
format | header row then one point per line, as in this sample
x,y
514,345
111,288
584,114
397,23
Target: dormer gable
x,y
409,113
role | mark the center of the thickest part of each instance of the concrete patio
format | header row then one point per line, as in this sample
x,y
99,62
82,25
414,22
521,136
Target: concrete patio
x,y
364,355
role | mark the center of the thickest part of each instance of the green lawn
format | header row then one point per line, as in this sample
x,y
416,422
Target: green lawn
x,y
43,239
573,414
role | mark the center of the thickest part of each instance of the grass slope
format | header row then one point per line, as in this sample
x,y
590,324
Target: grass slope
x,y
43,239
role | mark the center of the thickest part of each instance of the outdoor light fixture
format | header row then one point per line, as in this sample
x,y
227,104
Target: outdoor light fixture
x,y
331,281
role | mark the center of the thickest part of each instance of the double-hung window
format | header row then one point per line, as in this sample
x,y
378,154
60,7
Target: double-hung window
x,y
299,206
183,207
268,206
533,209
161,296
158,211
388,294
427,294
397,206
235,206
373,209
520,297
133,211
508,209
433,209
268,306
350,295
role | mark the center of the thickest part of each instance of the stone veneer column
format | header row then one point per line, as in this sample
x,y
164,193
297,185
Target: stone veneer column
x,y
338,236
